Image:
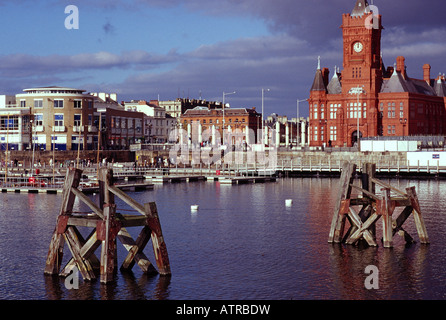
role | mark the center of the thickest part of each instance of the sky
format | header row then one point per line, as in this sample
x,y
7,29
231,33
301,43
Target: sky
x,y
145,49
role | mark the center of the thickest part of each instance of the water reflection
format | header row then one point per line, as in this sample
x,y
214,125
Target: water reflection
x,y
242,243
128,287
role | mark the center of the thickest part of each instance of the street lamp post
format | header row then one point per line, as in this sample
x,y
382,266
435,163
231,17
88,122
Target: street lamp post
x,y
297,119
357,91
263,97
403,122
224,95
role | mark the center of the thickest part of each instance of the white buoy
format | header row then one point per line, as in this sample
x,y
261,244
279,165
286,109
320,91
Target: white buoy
x,y
194,207
288,202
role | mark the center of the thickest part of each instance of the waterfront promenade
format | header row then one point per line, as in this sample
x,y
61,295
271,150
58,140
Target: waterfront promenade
x,y
235,164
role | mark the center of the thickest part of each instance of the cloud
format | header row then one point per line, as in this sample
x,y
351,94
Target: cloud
x,y
314,20
22,65
281,63
284,60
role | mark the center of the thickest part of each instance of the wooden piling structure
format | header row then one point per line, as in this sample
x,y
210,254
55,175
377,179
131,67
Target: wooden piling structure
x,y
373,206
107,225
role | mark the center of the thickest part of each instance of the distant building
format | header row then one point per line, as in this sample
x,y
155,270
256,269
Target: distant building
x,y
15,128
7,101
241,120
367,99
157,123
60,117
120,127
175,108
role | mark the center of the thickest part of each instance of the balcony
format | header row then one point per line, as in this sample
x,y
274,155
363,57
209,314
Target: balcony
x,y
39,128
78,128
59,129
92,129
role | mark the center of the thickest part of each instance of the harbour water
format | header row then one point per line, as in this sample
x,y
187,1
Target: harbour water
x,y
243,243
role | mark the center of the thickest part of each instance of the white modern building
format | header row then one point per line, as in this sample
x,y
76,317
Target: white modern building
x,y
62,117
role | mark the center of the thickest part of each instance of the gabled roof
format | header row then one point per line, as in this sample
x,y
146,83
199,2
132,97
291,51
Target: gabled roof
x,y
360,8
397,83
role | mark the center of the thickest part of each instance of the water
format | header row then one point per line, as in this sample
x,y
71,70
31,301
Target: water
x,y
243,243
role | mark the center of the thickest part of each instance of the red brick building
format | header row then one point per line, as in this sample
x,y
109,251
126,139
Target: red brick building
x,y
242,120
389,102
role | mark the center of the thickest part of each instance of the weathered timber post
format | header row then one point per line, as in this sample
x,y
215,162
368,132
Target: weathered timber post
x,y
373,206
338,221
419,220
387,206
159,246
55,253
107,231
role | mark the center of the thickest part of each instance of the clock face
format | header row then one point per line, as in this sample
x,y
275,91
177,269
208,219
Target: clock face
x,y
358,47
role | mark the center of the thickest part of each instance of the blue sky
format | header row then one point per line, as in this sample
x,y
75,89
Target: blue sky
x,y
171,48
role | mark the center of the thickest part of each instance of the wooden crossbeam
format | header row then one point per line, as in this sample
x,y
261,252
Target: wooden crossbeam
x,y
124,197
88,202
84,265
135,250
86,252
361,228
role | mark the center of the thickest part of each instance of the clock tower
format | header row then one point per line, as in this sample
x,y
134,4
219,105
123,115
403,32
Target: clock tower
x,y
363,68
362,49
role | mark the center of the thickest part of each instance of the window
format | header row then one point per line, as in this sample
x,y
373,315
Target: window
x,y
77,120
11,123
333,134
315,134
38,119
58,103
333,110
77,104
391,110
322,111
38,103
58,120
23,103
315,111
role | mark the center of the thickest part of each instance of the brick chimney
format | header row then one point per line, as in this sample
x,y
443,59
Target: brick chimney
x,y
401,66
325,75
427,73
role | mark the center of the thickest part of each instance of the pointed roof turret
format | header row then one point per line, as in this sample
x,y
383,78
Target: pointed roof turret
x,y
361,8
318,83
335,87
440,87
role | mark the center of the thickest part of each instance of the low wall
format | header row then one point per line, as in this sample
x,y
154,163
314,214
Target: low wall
x,y
387,158
45,157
